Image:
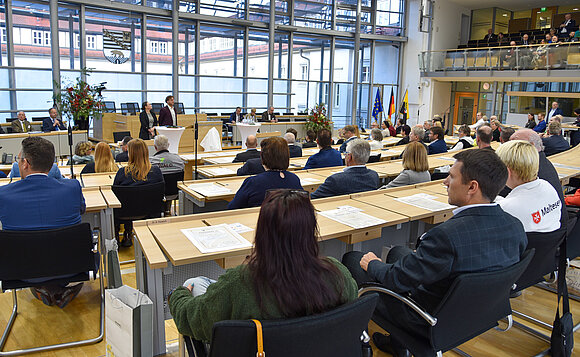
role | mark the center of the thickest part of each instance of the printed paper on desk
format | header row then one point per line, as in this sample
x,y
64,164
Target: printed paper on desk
x,y
215,238
221,171
240,228
210,189
352,217
308,181
222,160
446,158
425,201
565,166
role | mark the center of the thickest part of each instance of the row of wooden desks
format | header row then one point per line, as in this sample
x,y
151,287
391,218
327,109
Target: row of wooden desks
x,y
165,257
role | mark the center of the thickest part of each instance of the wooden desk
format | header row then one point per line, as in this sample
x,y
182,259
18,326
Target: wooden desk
x,y
96,180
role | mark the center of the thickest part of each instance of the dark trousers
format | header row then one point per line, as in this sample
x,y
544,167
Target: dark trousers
x,y
388,308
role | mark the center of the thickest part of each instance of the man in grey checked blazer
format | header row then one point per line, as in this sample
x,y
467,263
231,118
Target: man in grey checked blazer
x,y
479,237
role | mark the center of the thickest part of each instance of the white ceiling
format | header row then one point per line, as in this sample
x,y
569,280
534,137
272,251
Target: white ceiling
x,y
513,5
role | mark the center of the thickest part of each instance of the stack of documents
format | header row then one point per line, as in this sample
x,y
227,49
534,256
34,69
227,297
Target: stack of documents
x,y
425,201
210,189
352,217
217,238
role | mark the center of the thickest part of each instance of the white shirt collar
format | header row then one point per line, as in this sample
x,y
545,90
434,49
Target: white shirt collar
x,y
37,174
463,208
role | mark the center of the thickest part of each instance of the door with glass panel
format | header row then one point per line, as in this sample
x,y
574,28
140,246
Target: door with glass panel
x,y
465,108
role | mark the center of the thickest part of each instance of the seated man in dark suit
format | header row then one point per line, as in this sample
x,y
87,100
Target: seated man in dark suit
x,y
405,131
554,142
253,166
237,116
123,156
52,123
269,116
356,177
310,139
444,252
37,202
327,156
251,152
349,135
295,150
437,145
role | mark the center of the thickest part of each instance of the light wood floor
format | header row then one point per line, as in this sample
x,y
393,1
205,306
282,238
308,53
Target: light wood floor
x,y
38,324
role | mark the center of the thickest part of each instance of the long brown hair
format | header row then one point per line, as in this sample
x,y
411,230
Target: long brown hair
x,y
138,166
104,161
285,259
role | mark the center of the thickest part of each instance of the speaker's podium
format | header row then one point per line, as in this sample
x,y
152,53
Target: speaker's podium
x,y
104,128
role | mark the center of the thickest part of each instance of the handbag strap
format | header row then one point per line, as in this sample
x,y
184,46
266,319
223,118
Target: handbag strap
x,y
260,338
562,286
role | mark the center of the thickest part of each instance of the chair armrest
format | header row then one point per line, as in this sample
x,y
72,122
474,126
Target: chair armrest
x,y
368,287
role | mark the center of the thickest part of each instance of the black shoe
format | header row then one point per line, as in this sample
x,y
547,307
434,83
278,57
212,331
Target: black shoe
x,y
392,346
68,295
127,239
43,295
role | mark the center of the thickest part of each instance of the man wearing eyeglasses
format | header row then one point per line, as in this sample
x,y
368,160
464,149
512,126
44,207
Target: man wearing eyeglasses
x,y
356,177
29,204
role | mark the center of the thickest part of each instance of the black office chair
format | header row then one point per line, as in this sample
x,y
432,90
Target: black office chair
x,y
330,334
171,189
26,255
156,107
133,108
119,135
288,113
10,120
138,202
474,304
180,108
374,158
282,120
109,107
211,114
124,109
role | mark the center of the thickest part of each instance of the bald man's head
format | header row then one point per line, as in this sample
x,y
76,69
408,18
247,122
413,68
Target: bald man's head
x,y
251,142
484,136
530,136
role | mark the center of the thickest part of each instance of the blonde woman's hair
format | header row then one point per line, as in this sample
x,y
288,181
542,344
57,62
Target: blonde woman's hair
x,y
83,148
521,158
438,124
415,157
138,166
104,161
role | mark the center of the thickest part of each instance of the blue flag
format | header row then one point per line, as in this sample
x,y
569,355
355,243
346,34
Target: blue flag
x,y
378,108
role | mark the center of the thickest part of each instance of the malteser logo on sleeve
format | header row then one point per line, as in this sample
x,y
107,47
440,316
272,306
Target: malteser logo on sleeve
x,y
536,217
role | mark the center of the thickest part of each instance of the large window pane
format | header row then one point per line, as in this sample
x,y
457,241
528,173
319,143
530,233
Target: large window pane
x,y
31,43
221,50
68,37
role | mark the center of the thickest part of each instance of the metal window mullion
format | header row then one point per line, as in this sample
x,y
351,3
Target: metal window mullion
x,y
245,61
356,63
10,53
144,57
82,35
371,80
331,78
333,18
289,71
54,48
197,64
271,42
175,49
133,52
373,11
71,37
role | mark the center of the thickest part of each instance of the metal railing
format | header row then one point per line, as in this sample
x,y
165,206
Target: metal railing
x,y
564,55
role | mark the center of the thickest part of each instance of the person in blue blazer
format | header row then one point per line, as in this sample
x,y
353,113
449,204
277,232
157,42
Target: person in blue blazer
x,y
356,177
275,159
555,110
295,150
479,237
39,201
52,123
437,145
349,133
327,156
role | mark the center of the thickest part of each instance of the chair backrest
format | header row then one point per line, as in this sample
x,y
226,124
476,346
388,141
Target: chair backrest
x,y
330,334
171,181
10,120
119,135
288,113
545,260
109,107
139,202
133,108
180,108
45,253
374,158
474,304
156,107
284,119
124,109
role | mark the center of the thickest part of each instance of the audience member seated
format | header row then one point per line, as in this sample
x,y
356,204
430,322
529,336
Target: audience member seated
x,y
52,123
484,136
310,140
38,202
295,150
251,150
356,177
525,40
284,276
531,123
480,120
123,156
505,134
554,142
385,129
348,133
275,159
21,125
495,126
293,131
399,126
251,116
168,162
465,140
374,125
236,116
541,126
510,57
104,161
405,131
532,200
327,156
490,37
427,124
501,40
376,141
415,167
572,37
437,145
82,154
444,252
269,116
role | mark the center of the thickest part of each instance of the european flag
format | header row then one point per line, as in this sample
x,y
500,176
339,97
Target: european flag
x,y
378,105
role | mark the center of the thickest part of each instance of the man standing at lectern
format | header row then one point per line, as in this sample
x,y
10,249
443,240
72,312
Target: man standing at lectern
x,y
167,114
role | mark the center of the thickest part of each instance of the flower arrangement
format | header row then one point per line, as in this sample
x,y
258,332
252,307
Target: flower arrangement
x,y
317,118
79,101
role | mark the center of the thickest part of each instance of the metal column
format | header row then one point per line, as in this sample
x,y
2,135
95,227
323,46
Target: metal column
x,y
144,57
82,37
10,54
54,49
175,50
356,61
271,53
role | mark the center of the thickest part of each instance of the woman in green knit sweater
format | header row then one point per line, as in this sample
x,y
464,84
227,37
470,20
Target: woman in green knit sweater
x,y
284,276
